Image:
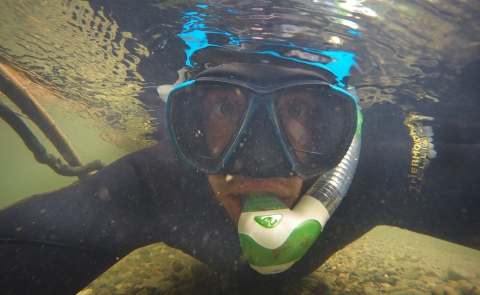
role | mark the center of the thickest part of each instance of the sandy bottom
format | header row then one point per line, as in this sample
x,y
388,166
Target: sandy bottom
x,y
385,261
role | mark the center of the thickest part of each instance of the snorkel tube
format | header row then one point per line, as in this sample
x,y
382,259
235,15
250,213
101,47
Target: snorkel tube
x,y
273,237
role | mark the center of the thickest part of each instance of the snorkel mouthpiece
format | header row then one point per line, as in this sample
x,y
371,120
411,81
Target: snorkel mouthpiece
x,y
272,236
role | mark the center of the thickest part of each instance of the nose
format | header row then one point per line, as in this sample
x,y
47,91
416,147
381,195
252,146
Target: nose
x,y
260,153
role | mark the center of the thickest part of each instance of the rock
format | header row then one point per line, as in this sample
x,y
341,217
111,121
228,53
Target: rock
x,y
103,290
432,273
412,276
356,279
116,280
382,265
373,269
456,273
400,284
414,259
322,287
392,272
116,266
146,291
381,279
396,289
419,284
385,286
434,280
475,280
444,290
309,282
85,292
395,278
336,271
144,251
142,275
359,273
356,288
328,269
420,270
144,259
341,281
131,279
177,266
124,288
468,288
407,292
368,288
154,281
165,287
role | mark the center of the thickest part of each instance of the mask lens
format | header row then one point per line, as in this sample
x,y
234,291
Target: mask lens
x,y
316,124
315,121
206,119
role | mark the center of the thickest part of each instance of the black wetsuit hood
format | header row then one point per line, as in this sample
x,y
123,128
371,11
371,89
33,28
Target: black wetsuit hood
x,y
256,68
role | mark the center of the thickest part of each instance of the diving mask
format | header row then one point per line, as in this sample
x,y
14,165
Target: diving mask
x,y
313,121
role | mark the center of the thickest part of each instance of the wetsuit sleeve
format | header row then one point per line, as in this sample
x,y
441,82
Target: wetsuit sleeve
x,y
437,189
414,173
58,242
420,171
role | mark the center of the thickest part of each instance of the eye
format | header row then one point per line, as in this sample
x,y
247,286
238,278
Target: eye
x,y
296,108
225,108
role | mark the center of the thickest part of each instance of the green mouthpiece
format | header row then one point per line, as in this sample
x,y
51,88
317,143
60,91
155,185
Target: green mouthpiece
x,y
272,236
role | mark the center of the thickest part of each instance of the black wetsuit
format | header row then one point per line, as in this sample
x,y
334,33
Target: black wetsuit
x,y
57,243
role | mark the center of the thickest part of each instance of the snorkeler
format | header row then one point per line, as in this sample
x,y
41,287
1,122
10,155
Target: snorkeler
x,y
258,144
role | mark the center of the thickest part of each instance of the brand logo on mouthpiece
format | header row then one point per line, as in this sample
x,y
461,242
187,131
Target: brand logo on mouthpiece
x,y
269,221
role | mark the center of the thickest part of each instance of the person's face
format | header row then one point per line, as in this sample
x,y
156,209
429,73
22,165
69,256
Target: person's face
x,y
229,188
223,111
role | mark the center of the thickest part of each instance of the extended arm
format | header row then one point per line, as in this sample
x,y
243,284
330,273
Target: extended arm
x,y
58,242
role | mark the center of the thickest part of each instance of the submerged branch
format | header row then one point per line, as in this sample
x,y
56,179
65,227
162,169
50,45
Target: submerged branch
x,y
39,151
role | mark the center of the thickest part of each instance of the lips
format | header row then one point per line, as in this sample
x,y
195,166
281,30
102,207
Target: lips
x,y
232,190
